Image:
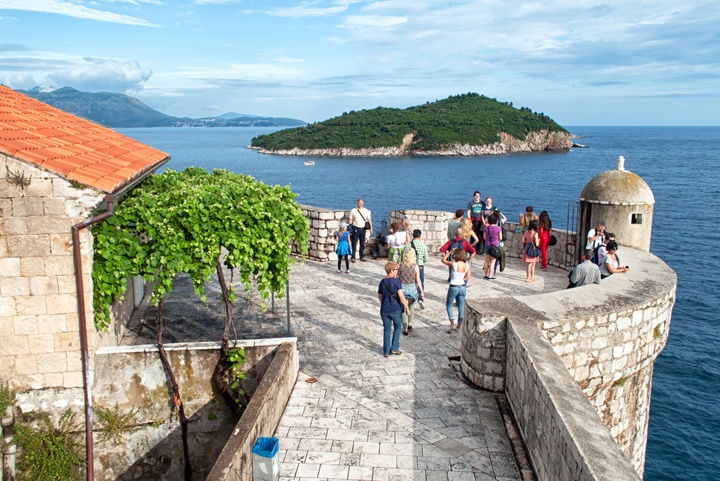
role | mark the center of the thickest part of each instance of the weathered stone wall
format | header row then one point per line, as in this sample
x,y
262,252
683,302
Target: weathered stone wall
x,y
325,222
133,380
261,417
606,335
38,306
564,438
560,255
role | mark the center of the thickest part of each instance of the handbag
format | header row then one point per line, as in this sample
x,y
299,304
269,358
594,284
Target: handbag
x,y
553,240
367,224
532,250
495,251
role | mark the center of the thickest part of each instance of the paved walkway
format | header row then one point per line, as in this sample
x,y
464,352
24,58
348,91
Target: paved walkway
x,y
368,417
407,417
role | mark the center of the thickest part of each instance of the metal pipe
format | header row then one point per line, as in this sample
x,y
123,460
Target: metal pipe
x,y
82,321
287,303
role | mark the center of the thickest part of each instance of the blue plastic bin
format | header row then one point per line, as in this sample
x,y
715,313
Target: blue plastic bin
x,y
266,465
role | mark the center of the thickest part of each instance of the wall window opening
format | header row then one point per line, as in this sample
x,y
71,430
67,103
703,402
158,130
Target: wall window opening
x,y
636,218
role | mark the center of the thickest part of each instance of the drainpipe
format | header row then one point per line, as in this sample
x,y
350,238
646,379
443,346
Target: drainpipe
x,y
82,318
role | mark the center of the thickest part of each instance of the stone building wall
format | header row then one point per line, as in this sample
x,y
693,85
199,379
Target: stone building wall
x,y
38,303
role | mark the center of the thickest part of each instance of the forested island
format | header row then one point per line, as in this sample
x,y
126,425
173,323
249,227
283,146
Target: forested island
x,y
467,124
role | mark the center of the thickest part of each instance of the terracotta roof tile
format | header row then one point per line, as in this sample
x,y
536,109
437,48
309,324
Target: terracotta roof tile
x,y
70,146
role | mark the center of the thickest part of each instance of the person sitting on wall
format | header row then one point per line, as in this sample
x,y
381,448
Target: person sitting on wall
x,y
584,273
595,236
526,218
611,262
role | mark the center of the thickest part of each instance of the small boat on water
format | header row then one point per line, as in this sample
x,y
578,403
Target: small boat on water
x,y
309,162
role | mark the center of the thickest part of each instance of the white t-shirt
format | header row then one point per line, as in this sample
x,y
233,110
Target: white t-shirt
x,y
357,220
593,244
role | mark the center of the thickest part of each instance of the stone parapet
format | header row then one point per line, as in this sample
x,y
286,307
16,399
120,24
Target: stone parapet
x,y
607,336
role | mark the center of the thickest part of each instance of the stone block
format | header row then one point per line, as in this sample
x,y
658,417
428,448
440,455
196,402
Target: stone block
x,y
17,286
10,267
3,247
66,341
53,380
27,206
29,305
14,345
28,245
60,303
54,206
13,226
61,244
43,286
59,266
74,361
52,362
32,266
39,187
40,343
72,379
25,325
66,284
8,369
7,307
7,327
51,324
25,364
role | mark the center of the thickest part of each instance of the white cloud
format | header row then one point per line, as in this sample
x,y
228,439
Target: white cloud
x,y
96,74
309,9
71,9
18,81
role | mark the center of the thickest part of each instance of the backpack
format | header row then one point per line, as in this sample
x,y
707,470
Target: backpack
x,y
455,244
596,255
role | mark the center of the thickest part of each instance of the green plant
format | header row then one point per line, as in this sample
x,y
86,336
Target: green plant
x,y
236,358
657,332
7,397
620,382
49,452
179,222
114,424
212,416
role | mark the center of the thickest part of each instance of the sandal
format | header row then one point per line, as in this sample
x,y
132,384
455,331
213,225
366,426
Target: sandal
x,y
409,327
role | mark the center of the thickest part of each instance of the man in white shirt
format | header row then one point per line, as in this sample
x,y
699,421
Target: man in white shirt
x,y
595,236
361,223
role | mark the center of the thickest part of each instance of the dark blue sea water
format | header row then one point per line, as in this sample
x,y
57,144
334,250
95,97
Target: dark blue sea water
x,y
680,164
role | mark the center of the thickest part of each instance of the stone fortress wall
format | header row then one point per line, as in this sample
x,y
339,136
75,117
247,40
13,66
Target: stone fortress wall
x,y
607,337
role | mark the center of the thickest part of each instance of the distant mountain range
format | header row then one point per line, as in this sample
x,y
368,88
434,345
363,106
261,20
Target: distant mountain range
x,y
119,110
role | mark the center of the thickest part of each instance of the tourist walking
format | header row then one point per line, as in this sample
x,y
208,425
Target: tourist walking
x,y
421,253
392,306
459,275
531,239
493,237
544,233
342,238
409,276
361,224
396,242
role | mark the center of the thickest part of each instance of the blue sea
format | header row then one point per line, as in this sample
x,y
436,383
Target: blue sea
x,y
680,164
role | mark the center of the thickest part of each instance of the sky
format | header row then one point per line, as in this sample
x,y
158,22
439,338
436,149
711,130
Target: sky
x,y
580,62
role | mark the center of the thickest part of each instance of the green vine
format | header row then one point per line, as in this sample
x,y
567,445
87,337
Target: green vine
x,y
49,452
179,221
236,358
115,424
7,397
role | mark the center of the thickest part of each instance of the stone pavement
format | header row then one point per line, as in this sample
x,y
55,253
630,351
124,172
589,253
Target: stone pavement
x,y
368,417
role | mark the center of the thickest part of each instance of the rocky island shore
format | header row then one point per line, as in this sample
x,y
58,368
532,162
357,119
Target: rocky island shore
x,y
534,142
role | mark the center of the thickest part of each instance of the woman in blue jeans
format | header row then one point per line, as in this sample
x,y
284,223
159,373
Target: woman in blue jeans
x,y
459,274
392,305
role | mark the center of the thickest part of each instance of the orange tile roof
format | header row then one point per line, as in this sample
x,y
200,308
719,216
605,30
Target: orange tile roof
x,y
70,146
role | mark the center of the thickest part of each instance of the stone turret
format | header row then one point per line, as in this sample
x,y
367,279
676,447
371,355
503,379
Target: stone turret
x,y
624,201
